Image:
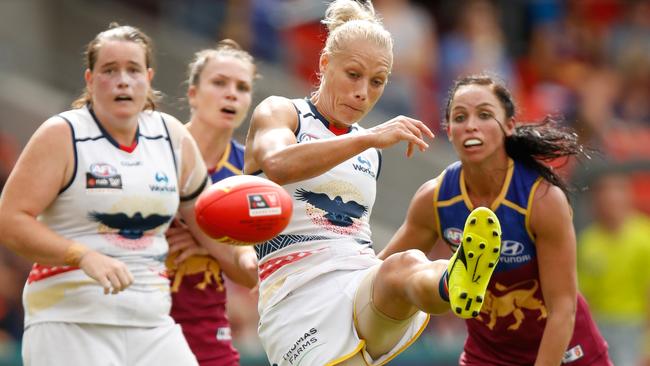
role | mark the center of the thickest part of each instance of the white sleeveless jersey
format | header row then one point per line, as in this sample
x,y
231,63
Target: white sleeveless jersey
x,y
331,212
119,203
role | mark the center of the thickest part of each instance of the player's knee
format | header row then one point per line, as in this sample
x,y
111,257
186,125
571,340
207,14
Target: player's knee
x,y
408,258
400,266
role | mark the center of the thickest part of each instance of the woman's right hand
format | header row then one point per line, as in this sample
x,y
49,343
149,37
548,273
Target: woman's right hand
x,y
401,128
111,273
181,240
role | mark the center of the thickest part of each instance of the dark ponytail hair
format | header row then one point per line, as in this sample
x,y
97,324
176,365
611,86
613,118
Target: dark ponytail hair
x,y
536,144
533,144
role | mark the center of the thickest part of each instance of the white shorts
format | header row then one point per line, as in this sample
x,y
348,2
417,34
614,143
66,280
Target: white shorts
x,y
72,344
313,325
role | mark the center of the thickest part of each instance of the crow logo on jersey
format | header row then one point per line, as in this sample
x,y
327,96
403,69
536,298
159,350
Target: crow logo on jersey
x,y
338,213
132,227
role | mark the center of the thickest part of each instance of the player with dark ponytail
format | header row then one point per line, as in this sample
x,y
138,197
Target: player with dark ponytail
x,y
533,144
532,312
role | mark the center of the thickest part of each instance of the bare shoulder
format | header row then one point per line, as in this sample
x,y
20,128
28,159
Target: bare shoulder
x,y
275,112
50,151
550,208
51,136
422,205
549,197
419,227
53,128
426,191
429,187
275,106
275,103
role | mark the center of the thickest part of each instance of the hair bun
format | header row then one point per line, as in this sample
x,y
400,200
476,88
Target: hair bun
x,y
340,12
228,43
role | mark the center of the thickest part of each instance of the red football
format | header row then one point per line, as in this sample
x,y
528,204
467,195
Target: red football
x,y
243,210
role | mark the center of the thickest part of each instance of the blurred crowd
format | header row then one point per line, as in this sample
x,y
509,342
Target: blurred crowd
x,y
587,60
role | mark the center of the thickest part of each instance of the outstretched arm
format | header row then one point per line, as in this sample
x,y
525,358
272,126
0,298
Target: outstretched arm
x,y
552,225
273,147
238,263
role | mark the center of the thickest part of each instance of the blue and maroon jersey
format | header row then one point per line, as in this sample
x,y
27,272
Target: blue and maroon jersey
x,y
198,292
231,163
509,328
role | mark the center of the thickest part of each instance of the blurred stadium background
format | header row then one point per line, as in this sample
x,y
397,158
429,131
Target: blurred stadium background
x,y
588,60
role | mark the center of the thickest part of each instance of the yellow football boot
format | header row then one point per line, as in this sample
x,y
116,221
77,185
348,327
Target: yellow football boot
x,y
471,267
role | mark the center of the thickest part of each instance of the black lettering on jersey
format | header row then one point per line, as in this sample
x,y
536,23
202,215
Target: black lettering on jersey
x,y
112,182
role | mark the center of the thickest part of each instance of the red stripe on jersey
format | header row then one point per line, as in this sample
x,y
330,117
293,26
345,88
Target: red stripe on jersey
x,y
272,265
40,272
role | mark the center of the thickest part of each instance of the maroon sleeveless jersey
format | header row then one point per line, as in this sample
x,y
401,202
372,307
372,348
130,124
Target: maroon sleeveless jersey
x,y
199,306
198,292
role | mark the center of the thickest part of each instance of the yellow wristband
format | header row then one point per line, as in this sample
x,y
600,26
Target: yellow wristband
x,y
74,253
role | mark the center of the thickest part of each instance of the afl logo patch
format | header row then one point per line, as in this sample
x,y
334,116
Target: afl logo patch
x,y
103,176
453,236
102,170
